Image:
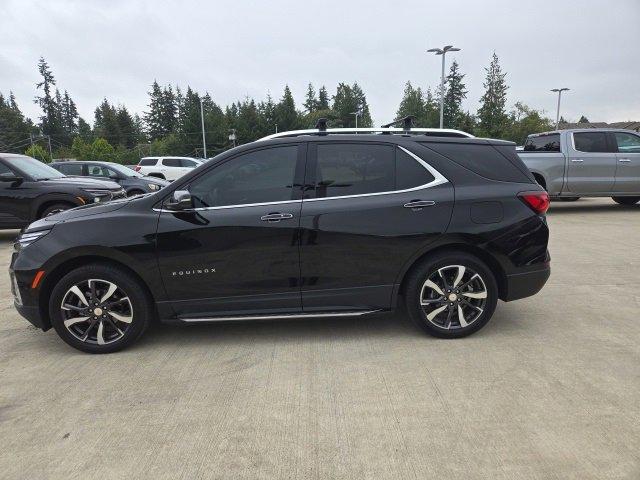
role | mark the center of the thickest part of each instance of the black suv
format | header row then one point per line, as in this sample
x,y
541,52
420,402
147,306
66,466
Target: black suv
x,y
134,183
305,224
30,189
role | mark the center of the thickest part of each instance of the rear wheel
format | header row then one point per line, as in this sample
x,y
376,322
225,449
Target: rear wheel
x,y
451,295
626,200
99,309
56,208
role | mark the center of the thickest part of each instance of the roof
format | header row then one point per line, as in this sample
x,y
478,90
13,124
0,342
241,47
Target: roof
x,y
628,125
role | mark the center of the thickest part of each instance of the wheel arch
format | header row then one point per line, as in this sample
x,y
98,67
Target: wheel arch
x,y
47,201
483,255
540,178
64,267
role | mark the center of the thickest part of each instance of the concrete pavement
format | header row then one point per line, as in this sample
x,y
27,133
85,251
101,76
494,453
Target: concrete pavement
x,y
550,388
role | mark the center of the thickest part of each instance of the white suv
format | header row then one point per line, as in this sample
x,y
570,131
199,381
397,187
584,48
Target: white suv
x,y
169,168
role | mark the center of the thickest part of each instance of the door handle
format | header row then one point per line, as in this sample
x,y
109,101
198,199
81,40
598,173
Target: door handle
x,y
577,160
625,160
419,204
276,217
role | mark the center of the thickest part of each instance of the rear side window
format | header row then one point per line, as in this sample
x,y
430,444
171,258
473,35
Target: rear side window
x,y
5,171
71,169
543,143
147,162
627,142
409,173
171,162
484,160
354,169
595,142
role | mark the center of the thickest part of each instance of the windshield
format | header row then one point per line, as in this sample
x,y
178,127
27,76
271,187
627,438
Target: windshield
x,y
35,168
126,171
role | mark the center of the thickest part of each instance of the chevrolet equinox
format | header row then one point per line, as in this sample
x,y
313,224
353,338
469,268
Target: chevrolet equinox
x,y
311,223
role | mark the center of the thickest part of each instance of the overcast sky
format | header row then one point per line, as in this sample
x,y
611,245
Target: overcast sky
x,y
115,49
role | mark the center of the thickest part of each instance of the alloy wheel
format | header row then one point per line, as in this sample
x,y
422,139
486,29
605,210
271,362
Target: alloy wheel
x,y
96,311
453,297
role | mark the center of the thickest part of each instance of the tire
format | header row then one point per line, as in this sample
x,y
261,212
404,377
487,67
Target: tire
x,y
125,313
133,193
421,299
626,200
568,199
56,208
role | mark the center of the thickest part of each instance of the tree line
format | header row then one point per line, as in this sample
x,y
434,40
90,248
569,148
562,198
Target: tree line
x,y
172,123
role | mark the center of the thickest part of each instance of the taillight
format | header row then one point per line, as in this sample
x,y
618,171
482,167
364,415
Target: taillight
x,y
137,168
536,201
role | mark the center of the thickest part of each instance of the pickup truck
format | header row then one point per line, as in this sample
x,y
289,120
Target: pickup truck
x,y
576,163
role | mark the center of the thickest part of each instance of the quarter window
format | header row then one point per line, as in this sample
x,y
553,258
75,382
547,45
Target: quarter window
x,y
354,169
256,177
591,142
627,142
409,173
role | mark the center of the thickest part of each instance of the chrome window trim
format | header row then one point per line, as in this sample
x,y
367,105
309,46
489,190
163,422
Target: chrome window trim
x,y
438,179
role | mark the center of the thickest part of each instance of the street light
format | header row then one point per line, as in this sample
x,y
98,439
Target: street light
x,y
442,51
204,141
232,136
356,114
559,90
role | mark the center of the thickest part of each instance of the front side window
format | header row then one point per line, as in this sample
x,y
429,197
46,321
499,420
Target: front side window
x,y
97,171
256,177
627,142
147,162
591,142
354,169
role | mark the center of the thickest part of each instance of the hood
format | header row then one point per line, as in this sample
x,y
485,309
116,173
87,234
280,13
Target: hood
x,y
82,182
155,180
83,211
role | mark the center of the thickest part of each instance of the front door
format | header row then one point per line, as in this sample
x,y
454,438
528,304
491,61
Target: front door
x,y
237,251
592,163
15,199
628,156
367,210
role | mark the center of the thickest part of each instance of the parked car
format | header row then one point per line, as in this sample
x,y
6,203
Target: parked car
x,y
167,168
305,224
586,163
30,189
134,183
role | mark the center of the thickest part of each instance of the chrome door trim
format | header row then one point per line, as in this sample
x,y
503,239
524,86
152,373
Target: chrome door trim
x,y
438,179
238,318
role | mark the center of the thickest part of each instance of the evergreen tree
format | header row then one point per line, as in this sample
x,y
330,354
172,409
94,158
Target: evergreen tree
x,y
169,111
344,105
50,120
583,119
311,101
14,127
154,117
454,94
362,107
285,112
69,116
106,124
323,99
84,130
267,116
492,115
412,104
128,137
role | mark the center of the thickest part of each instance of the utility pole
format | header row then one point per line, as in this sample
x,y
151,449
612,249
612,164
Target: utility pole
x,y
356,114
50,154
204,140
559,91
442,51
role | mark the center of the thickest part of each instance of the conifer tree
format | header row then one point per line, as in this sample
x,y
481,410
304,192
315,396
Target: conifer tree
x,y
492,115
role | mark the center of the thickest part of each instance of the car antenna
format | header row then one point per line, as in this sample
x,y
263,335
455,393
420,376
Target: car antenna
x,y
321,125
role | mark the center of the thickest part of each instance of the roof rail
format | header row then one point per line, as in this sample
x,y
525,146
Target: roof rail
x,y
447,132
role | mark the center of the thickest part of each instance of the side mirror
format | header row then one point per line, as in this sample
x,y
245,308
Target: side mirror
x,y
14,180
180,200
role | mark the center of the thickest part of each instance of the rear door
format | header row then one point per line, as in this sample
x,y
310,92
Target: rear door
x,y
628,165
368,207
592,163
14,202
171,168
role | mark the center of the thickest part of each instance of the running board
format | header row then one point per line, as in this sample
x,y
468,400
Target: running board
x,y
241,318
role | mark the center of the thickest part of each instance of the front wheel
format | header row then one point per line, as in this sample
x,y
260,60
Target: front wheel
x,y
99,308
626,200
56,208
451,295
